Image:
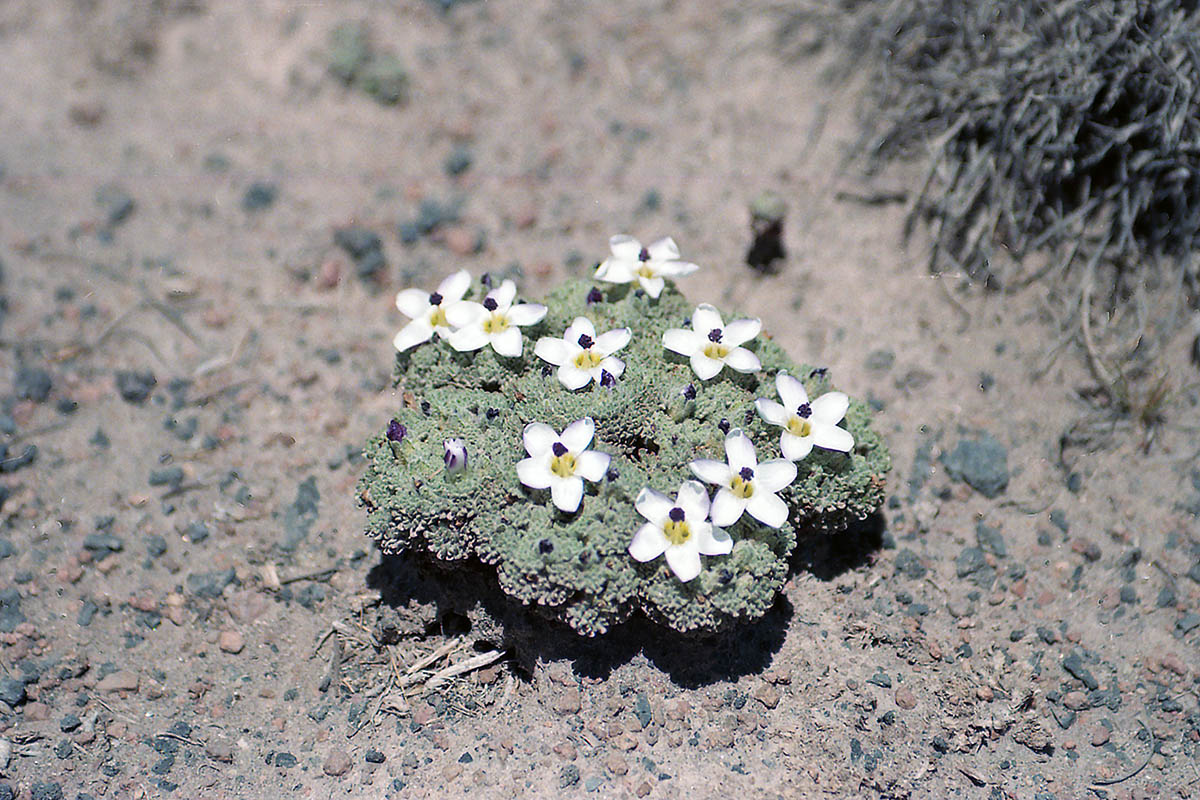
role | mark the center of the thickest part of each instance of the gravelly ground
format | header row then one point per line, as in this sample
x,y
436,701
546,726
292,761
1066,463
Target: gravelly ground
x,y
187,605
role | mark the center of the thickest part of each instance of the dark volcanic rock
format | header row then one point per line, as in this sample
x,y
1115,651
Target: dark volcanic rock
x,y
135,386
981,463
32,383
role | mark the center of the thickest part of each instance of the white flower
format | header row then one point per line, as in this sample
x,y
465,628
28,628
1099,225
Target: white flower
x,y
680,529
495,321
581,356
806,424
745,484
646,265
560,463
711,344
454,455
429,312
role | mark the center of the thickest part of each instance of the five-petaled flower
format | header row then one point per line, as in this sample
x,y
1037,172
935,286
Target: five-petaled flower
x,y
431,312
806,423
646,265
680,529
711,344
560,463
746,485
495,321
581,356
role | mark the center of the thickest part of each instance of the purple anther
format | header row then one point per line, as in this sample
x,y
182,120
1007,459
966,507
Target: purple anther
x,y
585,341
715,335
559,449
676,514
435,299
804,411
490,303
746,474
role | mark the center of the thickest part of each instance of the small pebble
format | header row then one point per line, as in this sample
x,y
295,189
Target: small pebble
x,y
337,764
905,698
231,641
1100,736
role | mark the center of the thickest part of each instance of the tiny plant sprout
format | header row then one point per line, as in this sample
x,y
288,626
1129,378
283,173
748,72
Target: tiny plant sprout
x,y
454,455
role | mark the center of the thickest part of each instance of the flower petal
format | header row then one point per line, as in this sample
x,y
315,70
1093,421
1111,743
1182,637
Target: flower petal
x,y
648,543
573,377
768,509
526,314
791,391
675,269
578,435
681,340
455,286
712,541
464,313
412,303
693,499
412,334
684,562
706,318
743,360
534,472
612,341
771,411
705,367
831,437
553,350
614,270
795,447
740,451
538,438
614,366
592,465
653,505
625,247
741,331
567,493
507,342
653,286
710,471
773,475
504,294
664,249
830,407
727,508
580,326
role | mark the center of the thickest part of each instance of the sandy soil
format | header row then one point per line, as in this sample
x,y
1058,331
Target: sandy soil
x,y
188,607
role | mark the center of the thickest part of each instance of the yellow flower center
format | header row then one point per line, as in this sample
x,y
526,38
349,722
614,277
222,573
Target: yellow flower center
x,y
741,488
716,350
437,318
799,427
563,466
588,359
496,323
677,532
644,271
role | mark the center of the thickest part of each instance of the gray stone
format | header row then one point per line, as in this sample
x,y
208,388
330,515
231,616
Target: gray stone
x,y
10,610
32,383
12,691
981,463
135,386
300,516
991,540
1073,664
970,561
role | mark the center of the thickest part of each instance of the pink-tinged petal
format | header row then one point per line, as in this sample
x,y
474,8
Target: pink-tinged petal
x,y
684,562
614,367
727,508
675,269
653,505
526,314
791,391
795,448
712,541
768,509
612,341
503,295
740,451
412,303
592,465
706,368
830,407
567,493
534,472
648,543
652,286
413,334
507,342
664,249
831,437
710,471
771,411
538,438
741,331
464,313
693,499
742,360
553,350
580,326
705,319
613,270
774,475
574,378
625,247
455,286
578,435
682,341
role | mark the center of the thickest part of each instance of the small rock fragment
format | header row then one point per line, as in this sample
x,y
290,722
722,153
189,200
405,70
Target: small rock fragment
x,y
119,681
231,641
981,463
905,698
337,764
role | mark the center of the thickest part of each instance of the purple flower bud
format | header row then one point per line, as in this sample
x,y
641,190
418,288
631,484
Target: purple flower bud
x,y
676,514
486,279
545,547
819,372
715,335
607,379
723,425
594,296
559,449
455,455
490,303
689,392
585,341
396,431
